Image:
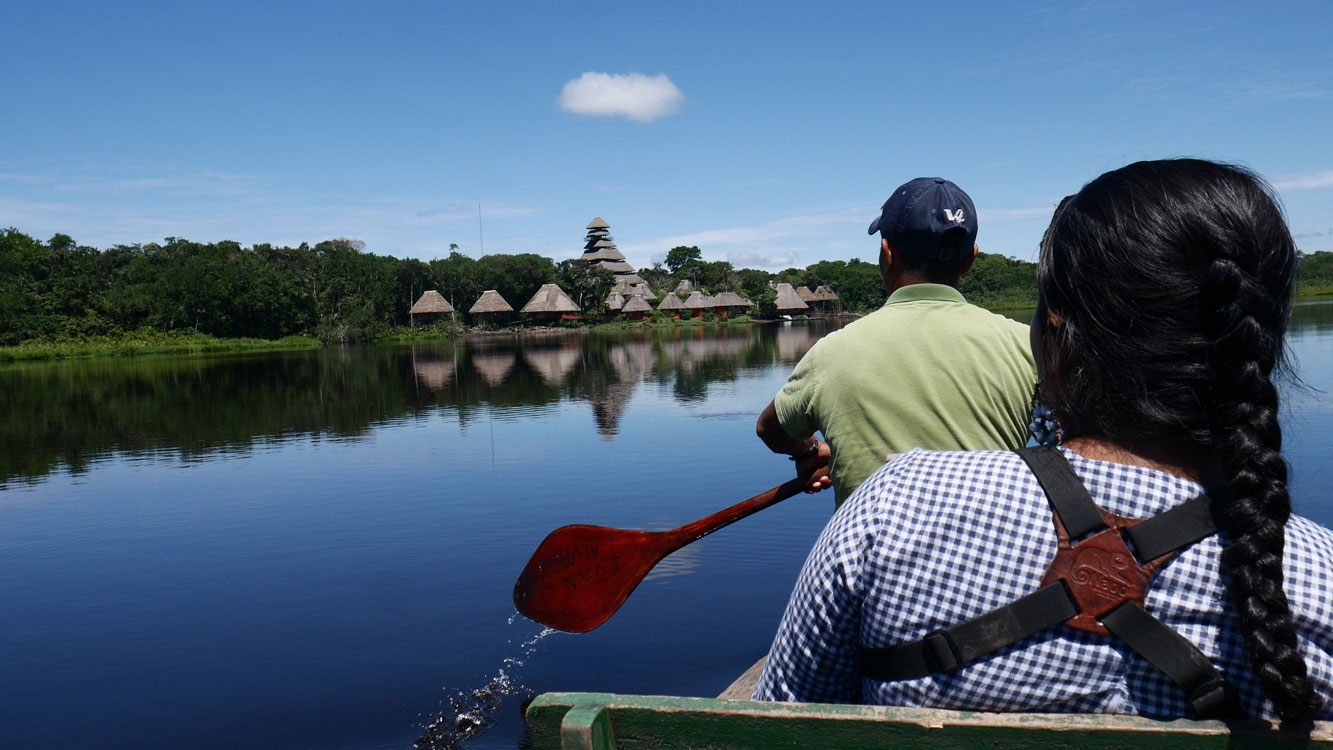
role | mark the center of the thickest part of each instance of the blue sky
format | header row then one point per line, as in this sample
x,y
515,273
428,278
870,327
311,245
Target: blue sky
x,y
765,133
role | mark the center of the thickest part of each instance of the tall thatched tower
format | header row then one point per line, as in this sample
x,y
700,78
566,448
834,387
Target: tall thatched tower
x,y
599,248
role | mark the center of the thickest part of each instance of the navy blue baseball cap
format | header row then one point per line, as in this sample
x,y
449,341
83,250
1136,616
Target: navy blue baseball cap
x,y
928,217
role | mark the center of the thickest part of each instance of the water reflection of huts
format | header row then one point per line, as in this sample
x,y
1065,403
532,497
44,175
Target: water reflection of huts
x,y
794,342
490,307
435,374
629,362
607,375
552,364
493,367
549,304
430,308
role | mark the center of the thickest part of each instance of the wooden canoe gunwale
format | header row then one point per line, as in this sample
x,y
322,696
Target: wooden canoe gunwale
x,y
602,721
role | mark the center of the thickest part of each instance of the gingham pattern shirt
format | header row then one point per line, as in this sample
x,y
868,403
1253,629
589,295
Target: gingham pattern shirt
x,y
935,539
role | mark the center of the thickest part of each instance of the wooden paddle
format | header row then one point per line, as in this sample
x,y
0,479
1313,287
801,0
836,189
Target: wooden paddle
x,y
580,575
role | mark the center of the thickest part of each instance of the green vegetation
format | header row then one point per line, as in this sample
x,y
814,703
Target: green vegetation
x,y
60,299
147,341
1314,279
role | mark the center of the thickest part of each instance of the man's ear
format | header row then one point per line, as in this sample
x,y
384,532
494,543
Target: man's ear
x,y
967,264
885,255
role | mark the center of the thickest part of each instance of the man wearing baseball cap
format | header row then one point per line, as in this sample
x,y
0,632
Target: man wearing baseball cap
x,y
926,370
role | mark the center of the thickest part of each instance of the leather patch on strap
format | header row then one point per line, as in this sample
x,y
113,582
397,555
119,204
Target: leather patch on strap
x,y
1100,572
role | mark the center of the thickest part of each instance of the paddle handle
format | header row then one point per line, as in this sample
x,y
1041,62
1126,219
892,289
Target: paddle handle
x,y
704,526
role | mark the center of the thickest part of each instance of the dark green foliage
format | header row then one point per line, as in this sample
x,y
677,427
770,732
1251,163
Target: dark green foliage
x,y
858,284
682,257
60,290
997,281
515,277
1315,272
585,283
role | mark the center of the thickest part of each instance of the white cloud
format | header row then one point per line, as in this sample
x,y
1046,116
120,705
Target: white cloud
x,y
1308,234
1305,181
633,96
745,258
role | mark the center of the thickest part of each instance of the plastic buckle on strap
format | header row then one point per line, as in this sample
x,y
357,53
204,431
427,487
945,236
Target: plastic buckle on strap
x,y
941,652
1211,699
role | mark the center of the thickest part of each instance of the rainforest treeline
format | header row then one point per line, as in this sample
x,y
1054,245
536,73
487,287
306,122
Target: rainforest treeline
x,y
336,291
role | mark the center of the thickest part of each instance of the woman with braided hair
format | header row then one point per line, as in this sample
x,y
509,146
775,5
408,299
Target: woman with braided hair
x,y
1031,581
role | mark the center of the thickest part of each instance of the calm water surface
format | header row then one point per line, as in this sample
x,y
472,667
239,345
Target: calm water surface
x,y
317,550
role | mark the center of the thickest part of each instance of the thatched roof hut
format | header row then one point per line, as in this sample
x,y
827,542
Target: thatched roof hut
x,y
684,288
638,304
640,288
598,223
489,303
614,301
789,300
636,307
431,302
431,307
606,253
549,302
824,294
805,294
730,299
617,266
697,301
670,302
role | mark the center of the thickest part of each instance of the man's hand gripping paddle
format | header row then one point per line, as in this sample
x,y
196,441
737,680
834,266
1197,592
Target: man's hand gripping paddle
x,y
580,575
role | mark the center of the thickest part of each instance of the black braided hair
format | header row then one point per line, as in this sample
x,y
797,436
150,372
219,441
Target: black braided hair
x,y
1172,281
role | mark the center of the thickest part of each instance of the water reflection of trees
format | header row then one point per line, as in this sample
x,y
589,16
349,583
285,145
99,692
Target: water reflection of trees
x,y
68,415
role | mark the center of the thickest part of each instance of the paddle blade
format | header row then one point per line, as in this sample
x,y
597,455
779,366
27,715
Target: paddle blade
x,y
580,575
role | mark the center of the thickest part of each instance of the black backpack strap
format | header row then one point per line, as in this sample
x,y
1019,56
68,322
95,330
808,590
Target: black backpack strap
x,y
1209,695
946,650
1066,492
1176,529
1173,530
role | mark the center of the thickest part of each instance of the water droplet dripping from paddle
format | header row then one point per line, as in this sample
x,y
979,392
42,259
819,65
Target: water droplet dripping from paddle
x,y
466,714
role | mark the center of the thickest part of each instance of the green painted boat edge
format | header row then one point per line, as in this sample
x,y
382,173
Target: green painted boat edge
x,y
602,721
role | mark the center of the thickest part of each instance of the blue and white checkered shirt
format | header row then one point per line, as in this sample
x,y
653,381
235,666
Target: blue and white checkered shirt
x,y
935,539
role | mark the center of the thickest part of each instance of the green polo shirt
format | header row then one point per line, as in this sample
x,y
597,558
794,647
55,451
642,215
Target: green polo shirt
x,y
925,370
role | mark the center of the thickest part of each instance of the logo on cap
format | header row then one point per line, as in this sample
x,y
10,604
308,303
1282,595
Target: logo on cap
x,y
954,216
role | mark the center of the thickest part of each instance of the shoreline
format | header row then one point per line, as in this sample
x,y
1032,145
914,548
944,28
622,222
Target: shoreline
x,y
153,343
146,344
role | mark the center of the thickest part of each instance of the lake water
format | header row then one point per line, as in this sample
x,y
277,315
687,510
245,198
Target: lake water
x,y
317,550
